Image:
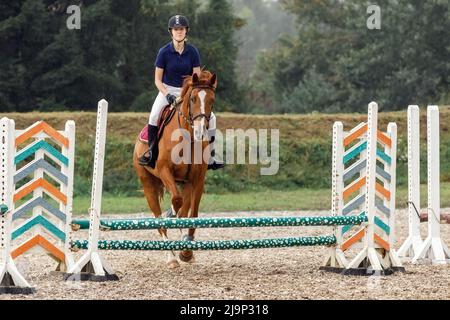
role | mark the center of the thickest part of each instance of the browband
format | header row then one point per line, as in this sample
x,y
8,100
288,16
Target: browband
x,y
203,86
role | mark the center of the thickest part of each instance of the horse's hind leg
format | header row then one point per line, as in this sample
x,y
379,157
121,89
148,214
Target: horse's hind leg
x,y
152,189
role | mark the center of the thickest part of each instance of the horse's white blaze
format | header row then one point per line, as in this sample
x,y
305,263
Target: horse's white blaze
x,y
202,95
199,125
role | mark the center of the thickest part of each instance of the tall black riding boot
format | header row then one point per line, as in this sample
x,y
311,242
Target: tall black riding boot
x,y
214,164
146,158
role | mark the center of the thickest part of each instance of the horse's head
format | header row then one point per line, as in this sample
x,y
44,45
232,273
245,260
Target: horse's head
x,y
200,101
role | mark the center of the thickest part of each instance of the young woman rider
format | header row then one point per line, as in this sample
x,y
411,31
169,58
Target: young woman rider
x,y
175,60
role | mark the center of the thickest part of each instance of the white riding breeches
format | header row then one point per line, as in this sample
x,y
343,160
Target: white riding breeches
x,y
161,102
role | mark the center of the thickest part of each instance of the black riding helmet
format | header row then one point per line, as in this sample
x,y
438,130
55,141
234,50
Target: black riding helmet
x,y
178,21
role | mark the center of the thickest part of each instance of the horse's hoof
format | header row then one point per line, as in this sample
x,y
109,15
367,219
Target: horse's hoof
x,y
173,264
75,227
186,256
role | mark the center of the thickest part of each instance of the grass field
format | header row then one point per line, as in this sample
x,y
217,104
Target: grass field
x,y
302,199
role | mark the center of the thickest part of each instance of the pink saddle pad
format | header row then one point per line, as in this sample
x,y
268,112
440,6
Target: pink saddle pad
x,y
143,136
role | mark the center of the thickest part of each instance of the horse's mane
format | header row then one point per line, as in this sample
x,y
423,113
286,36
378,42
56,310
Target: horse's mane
x,y
204,78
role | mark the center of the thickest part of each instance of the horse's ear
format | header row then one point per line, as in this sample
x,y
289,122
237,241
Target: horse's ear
x,y
213,81
195,78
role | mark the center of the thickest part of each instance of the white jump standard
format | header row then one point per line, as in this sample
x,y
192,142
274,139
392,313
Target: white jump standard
x,y
364,182
11,281
433,247
91,265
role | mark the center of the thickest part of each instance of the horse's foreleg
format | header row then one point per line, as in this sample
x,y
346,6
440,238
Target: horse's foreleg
x,y
184,210
186,194
169,181
172,261
186,255
196,195
177,202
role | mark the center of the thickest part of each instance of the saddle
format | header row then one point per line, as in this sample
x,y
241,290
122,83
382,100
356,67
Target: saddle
x,y
166,115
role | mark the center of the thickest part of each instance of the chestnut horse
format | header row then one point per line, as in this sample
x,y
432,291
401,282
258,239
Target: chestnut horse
x,y
193,114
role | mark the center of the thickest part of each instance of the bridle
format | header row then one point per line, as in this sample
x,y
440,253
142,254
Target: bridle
x,y
190,120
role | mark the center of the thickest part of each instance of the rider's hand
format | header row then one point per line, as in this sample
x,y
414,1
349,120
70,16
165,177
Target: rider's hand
x,y
171,98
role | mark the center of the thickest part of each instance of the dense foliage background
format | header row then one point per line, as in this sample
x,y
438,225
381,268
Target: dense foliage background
x,y
287,56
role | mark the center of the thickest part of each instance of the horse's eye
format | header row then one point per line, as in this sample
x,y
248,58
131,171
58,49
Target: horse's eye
x,y
193,99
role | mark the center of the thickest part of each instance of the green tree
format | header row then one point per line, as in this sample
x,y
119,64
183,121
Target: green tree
x,y
25,29
263,23
405,62
45,66
215,27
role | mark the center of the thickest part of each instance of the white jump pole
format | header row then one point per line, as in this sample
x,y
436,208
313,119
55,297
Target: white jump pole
x,y
413,243
91,265
336,257
11,281
433,247
395,262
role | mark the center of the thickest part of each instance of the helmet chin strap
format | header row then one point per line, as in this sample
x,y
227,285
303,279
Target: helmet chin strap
x,y
179,41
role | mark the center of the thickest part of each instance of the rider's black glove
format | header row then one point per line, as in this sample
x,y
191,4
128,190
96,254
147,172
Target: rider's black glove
x,y
171,98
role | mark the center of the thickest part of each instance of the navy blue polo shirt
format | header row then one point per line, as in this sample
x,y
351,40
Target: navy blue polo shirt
x,y
177,66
